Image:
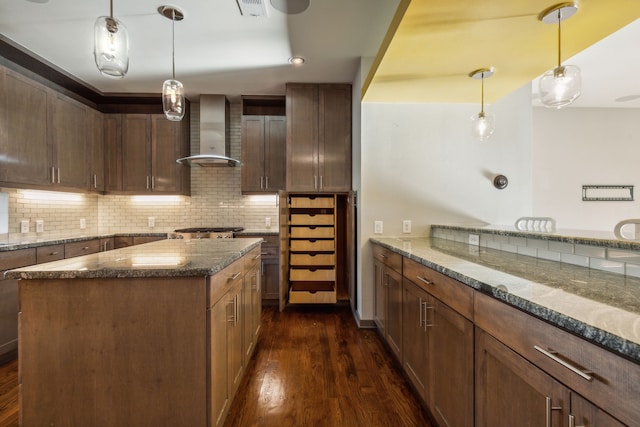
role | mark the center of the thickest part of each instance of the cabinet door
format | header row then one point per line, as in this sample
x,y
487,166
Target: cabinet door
x,y
218,387
415,335
68,133
113,152
586,414
95,132
251,310
393,283
270,278
334,138
450,366
24,151
253,149
136,149
274,153
302,137
380,289
165,138
510,391
234,337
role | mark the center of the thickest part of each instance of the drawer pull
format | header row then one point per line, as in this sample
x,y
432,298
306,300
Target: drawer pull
x,y
54,253
235,276
264,253
572,421
257,256
85,248
422,279
552,355
549,408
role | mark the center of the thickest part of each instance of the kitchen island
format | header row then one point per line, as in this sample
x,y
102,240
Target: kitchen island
x,y
527,336
155,334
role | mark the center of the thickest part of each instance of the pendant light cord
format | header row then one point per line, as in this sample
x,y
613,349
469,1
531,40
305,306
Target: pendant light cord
x,y
559,38
111,9
173,44
482,95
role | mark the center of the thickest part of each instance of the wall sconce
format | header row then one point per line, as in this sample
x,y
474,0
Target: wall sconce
x,y
562,85
483,123
173,102
111,46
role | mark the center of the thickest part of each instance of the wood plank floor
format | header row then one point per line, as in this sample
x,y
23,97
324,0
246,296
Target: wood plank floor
x,y
312,367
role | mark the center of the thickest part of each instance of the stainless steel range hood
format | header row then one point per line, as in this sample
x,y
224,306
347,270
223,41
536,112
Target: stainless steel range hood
x,y
214,134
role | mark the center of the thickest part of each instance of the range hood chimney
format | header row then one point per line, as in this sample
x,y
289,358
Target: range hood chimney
x,y
214,134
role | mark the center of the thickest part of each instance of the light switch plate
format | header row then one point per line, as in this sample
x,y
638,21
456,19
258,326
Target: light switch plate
x,y
377,227
83,223
24,226
474,239
406,226
267,222
151,221
39,225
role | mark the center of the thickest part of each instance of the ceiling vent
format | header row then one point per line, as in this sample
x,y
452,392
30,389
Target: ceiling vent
x,y
252,7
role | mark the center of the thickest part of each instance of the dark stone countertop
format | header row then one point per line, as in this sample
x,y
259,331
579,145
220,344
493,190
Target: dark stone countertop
x,y
163,258
602,307
12,245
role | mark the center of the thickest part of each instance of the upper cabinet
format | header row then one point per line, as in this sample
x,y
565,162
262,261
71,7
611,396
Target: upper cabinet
x,y
141,154
95,143
44,142
318,146
263,144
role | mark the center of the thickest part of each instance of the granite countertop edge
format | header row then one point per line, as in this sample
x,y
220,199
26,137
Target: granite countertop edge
x,y
605,339
12,246
42,271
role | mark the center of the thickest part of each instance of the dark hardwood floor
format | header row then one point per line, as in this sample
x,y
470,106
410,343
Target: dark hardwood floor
x,y
312,367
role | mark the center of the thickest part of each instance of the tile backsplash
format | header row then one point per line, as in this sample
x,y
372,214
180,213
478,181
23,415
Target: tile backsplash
x,y
215,201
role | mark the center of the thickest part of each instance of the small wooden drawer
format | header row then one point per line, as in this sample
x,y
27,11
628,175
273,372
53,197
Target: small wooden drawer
x,y
85,247
16,259
49,253
311,202
312,297
269,251
451,292
252,258
611,381
312,232
313,259
312,245
312,219
390,259
308,275
221,281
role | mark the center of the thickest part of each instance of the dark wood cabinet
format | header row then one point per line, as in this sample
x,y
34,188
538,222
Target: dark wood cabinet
x,y
388,297
318,137
263,154
141,154
416,305
24,148
96,144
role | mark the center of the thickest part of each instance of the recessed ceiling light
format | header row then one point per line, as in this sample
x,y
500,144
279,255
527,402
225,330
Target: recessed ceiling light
x,y
296,60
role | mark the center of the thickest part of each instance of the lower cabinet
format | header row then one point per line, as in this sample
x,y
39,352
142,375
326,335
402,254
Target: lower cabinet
x,y
251,304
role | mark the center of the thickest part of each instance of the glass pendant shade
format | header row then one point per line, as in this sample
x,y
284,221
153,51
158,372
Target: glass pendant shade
x,y
173,99
484,124
560,87
111,47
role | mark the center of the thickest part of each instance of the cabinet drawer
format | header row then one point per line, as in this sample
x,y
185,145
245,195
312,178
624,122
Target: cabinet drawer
x,y
16,259
81,248
451,292
251,258
311,219
271,241
270,251
312,293
388,258
308,275
615,381
220,282
49,253
313,259
312,232
311,202
312,245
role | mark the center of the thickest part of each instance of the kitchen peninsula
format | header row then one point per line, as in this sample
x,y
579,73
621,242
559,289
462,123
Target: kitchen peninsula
x,y
529,338
154,334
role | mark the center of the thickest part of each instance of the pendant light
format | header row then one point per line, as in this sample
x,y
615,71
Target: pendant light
x,y
111,46
483,122
173,102
562,85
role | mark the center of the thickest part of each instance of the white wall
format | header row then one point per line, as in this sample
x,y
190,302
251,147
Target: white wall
x,y
584,146
420,162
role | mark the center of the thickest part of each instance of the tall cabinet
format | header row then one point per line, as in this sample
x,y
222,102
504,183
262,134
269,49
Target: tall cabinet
x,y
318,137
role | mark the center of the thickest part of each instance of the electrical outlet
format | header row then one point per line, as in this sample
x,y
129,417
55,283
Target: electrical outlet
x,y
151,221
406,226
83,223
24,226
377,227
267,222
474,239
39,225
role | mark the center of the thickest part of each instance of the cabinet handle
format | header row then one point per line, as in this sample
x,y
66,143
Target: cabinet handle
x,y
422,279
147,182
257,256
54,253
548,408
261,187
551,354
95,180
153,182
321,183
231,316
427,324
422,313
315,182
84,248
572,421
266,182
58,175
235,276
53,175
